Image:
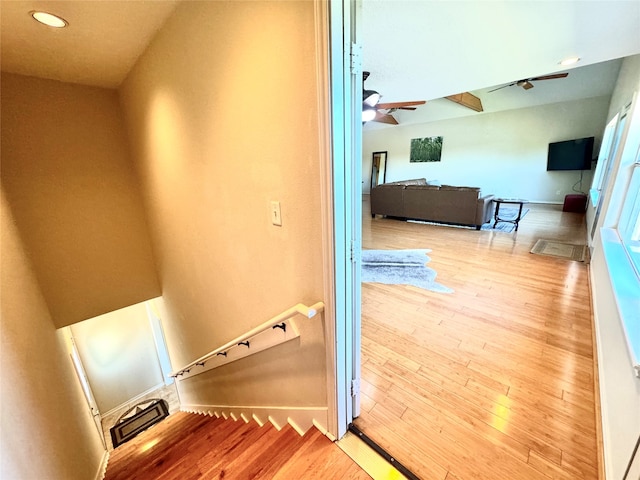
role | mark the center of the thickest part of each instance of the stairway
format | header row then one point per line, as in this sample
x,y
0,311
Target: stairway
x,y
187,446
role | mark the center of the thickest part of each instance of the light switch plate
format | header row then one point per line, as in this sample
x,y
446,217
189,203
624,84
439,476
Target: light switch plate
x,y
276,217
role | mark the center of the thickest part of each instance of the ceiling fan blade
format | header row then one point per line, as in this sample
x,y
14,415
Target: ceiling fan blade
x,y
385,118
385,106
549,77
406,108
503,86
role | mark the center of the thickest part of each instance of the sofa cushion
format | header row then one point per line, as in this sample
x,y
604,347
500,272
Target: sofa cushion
x,y
422,187
415,181
460,189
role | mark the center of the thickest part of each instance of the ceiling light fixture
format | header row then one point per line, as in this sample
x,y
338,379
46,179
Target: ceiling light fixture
x,y
49,19
570,61
368,113
370,97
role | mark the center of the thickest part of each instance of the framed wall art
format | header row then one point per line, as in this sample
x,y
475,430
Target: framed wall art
x,y
428,149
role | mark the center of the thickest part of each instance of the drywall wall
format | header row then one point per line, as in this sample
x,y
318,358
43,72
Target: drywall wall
x,y
627,84
68,178
223,119
619,387
46,430
504,153
119,355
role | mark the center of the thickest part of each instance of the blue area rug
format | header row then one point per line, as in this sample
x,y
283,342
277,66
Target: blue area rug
x,y
400,267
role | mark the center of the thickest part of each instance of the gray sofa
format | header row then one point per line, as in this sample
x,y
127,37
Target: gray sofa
x,y
417,200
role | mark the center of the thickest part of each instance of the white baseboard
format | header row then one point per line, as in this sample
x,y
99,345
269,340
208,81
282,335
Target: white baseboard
x,y
300,418
129,403
102,469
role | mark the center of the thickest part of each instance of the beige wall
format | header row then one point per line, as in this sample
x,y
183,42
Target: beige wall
x,y
222,114
119,355
46,431
67,175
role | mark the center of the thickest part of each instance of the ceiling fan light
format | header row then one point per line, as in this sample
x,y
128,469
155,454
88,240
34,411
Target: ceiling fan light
x,y
370,97
48,19
569,61
368,113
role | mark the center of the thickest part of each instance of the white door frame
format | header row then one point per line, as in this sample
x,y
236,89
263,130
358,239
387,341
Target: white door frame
x,y
346,154
84,383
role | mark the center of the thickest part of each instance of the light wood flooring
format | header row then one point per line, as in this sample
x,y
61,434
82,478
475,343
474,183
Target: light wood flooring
x,y
494,381
187,446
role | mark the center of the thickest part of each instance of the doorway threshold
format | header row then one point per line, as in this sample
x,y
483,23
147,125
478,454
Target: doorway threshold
x,y
372,458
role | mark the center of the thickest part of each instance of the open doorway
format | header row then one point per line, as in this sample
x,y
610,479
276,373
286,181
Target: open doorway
x,y
122,361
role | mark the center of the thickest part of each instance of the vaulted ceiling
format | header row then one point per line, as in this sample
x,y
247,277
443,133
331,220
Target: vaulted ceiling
x,y
426,50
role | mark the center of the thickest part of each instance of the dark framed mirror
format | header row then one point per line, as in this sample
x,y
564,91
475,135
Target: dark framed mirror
x,y
378,168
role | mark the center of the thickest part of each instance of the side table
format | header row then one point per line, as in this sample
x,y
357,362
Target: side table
x,y
515,201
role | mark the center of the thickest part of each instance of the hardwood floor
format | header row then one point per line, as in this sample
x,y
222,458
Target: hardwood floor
x,y
187,446
494,381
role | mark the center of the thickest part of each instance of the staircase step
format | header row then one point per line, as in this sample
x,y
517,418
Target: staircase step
x,y
188,446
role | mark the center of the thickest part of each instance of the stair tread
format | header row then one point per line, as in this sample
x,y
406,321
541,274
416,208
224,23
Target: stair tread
x,y
190,446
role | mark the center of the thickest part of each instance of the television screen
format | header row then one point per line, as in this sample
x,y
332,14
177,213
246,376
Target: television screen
x,y
570,154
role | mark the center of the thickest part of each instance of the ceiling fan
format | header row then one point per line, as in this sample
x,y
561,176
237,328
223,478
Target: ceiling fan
x,y
373,111
526,83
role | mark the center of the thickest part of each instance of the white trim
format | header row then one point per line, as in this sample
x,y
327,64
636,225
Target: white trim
x,y
83,380
602,392
346,83
626,291
367,458
102,468
339,34
300,418
324,431
129,403
321,14
354,192
162,353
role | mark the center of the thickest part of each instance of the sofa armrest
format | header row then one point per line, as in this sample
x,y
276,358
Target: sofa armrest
x,y
484,209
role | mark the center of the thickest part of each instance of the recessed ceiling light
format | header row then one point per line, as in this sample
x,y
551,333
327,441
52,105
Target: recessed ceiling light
x,y
570,61
49,19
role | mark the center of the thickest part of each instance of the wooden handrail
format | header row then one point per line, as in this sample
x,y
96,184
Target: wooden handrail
x,y
298,309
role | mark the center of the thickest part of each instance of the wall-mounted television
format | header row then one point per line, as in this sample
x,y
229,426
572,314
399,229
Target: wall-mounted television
x,y
570,154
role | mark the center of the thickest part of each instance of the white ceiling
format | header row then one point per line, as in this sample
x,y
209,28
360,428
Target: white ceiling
x,y
415,49
101,44
585,82
426,50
